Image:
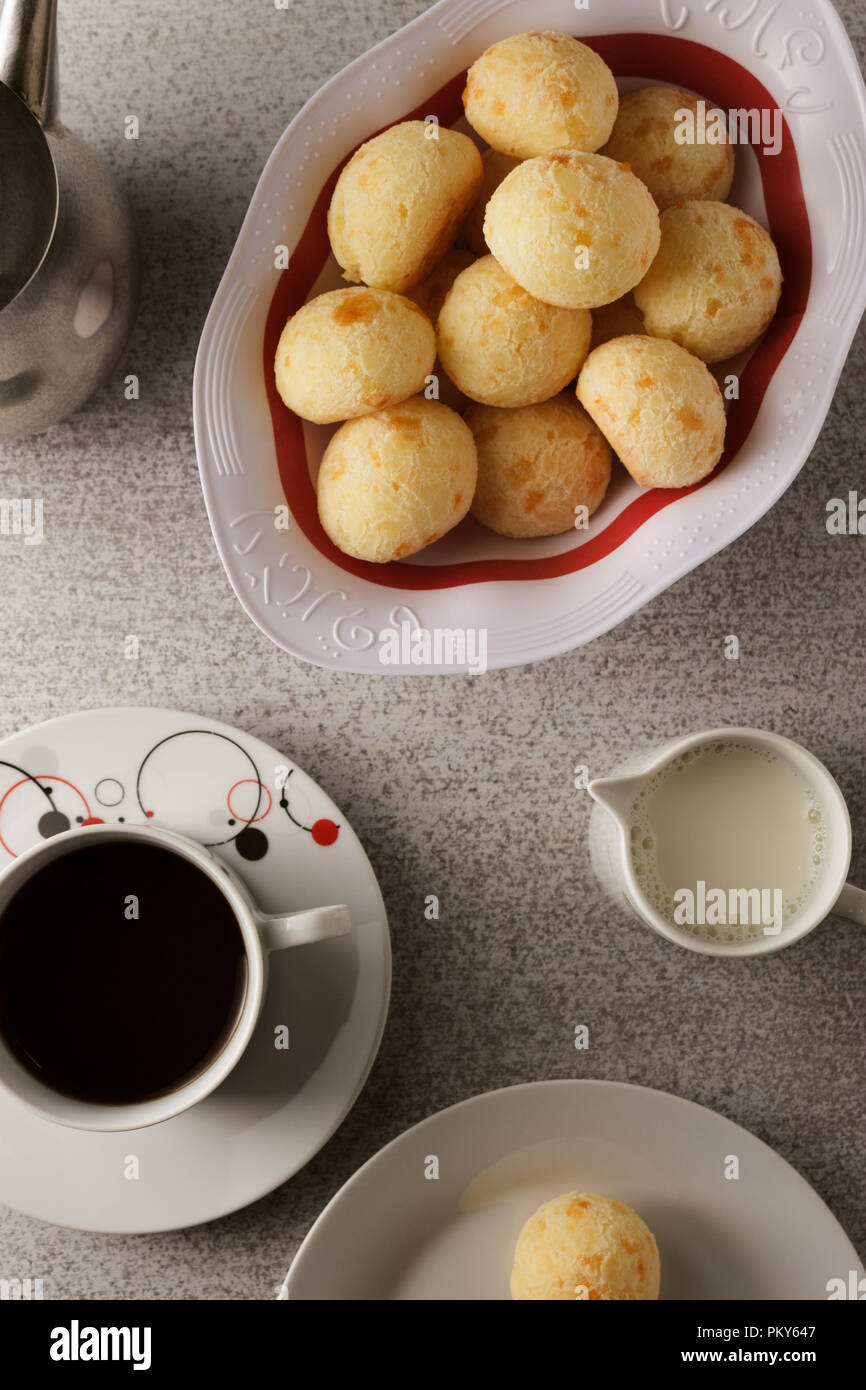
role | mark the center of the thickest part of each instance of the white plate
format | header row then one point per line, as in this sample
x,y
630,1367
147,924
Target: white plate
x,y
277,1108
392,1233
527,595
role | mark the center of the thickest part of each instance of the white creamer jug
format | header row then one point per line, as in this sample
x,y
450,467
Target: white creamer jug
x,y
617,844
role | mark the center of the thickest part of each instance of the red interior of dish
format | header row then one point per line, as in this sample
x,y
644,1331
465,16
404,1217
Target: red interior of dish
x,y
660,57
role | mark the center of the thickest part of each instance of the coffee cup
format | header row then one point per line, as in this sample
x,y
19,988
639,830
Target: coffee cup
x,y
186,929
626,851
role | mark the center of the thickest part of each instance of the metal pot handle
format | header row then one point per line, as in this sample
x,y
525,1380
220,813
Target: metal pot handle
x,y
28,42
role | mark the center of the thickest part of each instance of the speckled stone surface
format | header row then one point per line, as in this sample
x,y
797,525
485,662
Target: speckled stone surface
x,y
459,787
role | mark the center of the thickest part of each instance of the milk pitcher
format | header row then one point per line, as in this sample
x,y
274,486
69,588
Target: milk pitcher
x,y
612,843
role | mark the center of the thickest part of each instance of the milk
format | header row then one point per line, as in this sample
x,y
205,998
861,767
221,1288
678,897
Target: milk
x,y
727,841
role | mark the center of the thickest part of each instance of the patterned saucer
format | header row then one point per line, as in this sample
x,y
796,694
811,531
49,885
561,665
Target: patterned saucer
x,y
280,833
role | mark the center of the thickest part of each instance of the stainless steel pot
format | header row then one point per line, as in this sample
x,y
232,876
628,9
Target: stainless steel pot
x,y
68,251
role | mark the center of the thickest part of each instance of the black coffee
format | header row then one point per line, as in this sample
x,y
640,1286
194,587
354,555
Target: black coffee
x,y
122,972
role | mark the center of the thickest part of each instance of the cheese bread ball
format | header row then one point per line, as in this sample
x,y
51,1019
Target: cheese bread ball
x,y
400,202
392,483
658,407
716,282
584,1247
495,166
538,92
616,320
348,352
645,135
536,466
430,296
573,229
502,346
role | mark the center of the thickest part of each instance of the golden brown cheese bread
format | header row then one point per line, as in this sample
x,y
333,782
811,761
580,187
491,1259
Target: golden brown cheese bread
x,y
430,296
393,482
537,466
616,320
351,351
716,282
658,407
501,346
494,168
533,93
577,230
400,202
583,1247
645,136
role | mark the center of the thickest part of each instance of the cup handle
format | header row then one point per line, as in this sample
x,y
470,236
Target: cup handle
x,y
299,928
851,904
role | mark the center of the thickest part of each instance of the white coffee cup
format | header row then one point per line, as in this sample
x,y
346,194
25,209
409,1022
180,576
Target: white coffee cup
x,y
612,854
261,934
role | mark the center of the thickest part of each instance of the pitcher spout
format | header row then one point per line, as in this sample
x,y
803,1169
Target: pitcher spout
x,y
28,44
615,794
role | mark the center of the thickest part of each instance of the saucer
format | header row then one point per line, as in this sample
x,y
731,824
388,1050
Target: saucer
x,y
286,839
732,1219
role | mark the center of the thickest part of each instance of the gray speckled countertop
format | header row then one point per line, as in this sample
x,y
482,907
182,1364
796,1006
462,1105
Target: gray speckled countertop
x,y
460,787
